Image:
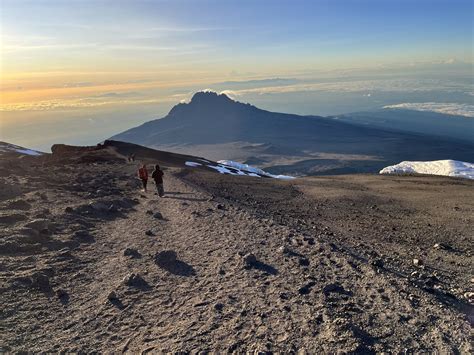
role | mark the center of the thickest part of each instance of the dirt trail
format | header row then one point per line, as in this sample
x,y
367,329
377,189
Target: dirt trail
x,y
302,293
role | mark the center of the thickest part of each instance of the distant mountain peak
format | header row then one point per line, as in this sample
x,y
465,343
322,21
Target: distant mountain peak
x,y
208,103
208,96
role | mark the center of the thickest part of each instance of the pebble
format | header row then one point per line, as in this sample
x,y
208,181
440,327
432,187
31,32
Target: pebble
x,y
131,252
249,260
219,307
378,263
417,262
469,296
60,293
304,262
306,288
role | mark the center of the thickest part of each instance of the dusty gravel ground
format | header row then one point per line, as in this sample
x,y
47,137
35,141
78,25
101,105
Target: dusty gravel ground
x,y
82,267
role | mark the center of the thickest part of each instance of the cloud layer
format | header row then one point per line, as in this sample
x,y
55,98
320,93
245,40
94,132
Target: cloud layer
x,y
465,110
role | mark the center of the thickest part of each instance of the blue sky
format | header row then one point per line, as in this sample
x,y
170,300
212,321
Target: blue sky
x,y
95,60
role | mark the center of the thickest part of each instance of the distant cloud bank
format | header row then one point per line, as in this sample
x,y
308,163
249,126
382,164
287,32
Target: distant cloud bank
x,y
456,109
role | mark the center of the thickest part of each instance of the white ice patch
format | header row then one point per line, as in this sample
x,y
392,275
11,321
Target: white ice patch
x,y
192,163
241,166
452,168
233,168
251,169
7,148
28,152
222,169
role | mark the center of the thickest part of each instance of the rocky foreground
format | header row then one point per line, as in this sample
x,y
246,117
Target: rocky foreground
x,y
229,263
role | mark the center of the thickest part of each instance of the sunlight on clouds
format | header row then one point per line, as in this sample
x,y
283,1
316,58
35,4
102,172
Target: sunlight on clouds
x,y
456,109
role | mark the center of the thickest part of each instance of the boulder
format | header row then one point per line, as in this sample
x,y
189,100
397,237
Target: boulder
x,y
165,257
99,206
134,280
40,225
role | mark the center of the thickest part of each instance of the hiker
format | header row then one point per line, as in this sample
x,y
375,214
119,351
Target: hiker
x,y
143,176
157,175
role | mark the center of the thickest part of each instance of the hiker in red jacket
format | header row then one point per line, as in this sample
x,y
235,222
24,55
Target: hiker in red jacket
x,y
157,175
143,176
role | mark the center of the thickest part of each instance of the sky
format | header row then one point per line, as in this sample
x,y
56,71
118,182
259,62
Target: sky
x,y
80,71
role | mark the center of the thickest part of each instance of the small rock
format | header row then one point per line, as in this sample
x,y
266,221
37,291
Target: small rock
x,y
40,280
469,296
285,250
134,280
112,296
158,215
68,209
335,288
132,253
442,246
219,307
413,299
220,206
60,293
83,236
304,262
249,260
40,225
165,257
306,288
378,263
418,262
149,233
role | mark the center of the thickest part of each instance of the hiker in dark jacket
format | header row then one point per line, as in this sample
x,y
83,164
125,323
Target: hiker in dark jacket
x,y
157,175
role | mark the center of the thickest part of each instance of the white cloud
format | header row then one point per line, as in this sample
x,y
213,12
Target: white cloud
x,y
384,85
465,110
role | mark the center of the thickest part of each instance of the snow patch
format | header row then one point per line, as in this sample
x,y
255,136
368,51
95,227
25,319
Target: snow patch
x,y
192,163
453,168
253,170
12,148
28,152
233,168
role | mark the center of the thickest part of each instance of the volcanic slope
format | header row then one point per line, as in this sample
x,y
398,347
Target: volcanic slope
x,y
218,128
232,263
